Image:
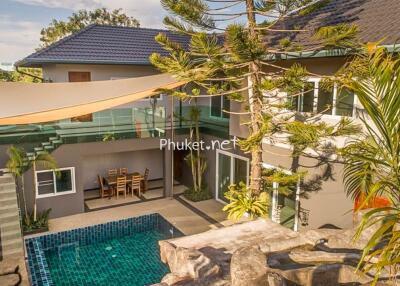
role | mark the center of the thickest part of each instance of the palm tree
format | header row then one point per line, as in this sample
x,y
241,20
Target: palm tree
x,y
19,163
44,161
16,164
372,162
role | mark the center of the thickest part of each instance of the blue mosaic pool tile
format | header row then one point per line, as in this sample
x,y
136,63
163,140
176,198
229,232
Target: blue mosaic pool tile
x,y
135,241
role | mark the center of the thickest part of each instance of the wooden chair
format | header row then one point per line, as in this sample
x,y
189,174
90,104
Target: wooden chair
x,y
135,185
123,171
121,186
145,180
103,189
112,172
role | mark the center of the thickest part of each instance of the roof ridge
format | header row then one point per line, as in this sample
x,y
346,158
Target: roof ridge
x,y
126,27
57,43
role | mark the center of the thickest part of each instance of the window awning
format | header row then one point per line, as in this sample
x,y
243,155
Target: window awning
x,y
26,103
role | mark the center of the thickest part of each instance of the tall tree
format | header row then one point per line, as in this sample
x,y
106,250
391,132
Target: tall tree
x,y
59,29
230,44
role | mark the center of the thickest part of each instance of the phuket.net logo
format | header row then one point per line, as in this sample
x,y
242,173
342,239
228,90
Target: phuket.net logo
x,y
198,145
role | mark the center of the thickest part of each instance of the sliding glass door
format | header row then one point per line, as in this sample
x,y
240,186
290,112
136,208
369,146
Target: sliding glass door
x,y
283,191
231,169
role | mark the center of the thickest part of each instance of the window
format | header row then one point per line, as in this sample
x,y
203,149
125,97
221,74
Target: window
x,y
344,103
80,77
305,101
53,183
337,101
83,118
231,169
75,76
218,104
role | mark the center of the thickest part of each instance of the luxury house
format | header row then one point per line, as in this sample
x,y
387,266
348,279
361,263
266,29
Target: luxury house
x,y
128,136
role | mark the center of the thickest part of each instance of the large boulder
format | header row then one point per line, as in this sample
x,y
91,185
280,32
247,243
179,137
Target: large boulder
x,y
187,264
249,267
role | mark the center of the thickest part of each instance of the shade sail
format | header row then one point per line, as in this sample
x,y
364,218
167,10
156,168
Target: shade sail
x,y
25,103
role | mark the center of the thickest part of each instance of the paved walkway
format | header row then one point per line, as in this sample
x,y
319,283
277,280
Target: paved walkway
x,y
206,215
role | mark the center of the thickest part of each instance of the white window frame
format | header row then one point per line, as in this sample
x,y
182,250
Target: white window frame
x,y
316,81
55,194
232,157
222,106
274,203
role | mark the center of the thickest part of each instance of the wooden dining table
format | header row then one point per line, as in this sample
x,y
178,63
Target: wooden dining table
x,y
112,180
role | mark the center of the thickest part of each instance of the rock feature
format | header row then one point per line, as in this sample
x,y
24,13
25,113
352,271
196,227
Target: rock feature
x,y
188,265
264,253
248,267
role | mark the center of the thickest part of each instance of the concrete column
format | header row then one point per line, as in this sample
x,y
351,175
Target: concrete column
x,y
168,174
168,153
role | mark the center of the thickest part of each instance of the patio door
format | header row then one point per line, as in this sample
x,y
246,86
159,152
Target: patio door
x,y
284,197
231,169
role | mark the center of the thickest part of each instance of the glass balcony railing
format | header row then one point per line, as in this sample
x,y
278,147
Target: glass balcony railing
x,y
107,125
211,120
111,125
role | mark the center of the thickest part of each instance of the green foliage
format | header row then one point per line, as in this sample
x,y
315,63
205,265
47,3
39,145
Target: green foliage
x,y
14,76
42,221
243,46
242,201
377,258
286,182
108,137
238,54
197,196
339,36
303,135
193,11
77,21
372,162
16,163
255,138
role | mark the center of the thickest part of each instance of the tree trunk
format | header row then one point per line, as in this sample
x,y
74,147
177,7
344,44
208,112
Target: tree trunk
x,y
255,105
199,178
192,158
23,196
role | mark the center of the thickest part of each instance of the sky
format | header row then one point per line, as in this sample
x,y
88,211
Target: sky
x,y
22,20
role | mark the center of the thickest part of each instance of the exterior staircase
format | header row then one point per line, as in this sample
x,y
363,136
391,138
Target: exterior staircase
x,y
45,147
11,243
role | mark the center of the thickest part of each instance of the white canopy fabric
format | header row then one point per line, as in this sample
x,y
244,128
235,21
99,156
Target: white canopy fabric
x,y
25,103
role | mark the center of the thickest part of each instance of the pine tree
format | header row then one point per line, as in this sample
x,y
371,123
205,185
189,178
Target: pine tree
x,y
231,54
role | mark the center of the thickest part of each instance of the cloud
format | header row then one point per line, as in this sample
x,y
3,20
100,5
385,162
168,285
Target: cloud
x,y
148,12
18,38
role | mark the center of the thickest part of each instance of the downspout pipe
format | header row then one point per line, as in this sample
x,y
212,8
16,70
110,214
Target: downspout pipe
x,y
28,74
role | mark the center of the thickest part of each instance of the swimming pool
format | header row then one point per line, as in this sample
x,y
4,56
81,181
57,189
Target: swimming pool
x,y
122,252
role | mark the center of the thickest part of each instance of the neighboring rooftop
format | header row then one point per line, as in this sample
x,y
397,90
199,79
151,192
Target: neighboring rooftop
x,y
376,20
100,44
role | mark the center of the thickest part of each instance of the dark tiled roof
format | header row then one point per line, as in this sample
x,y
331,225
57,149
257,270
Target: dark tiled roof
x,y
99,44
375,19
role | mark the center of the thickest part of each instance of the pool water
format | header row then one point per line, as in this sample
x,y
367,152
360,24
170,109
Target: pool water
x,y
129,260
123,252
